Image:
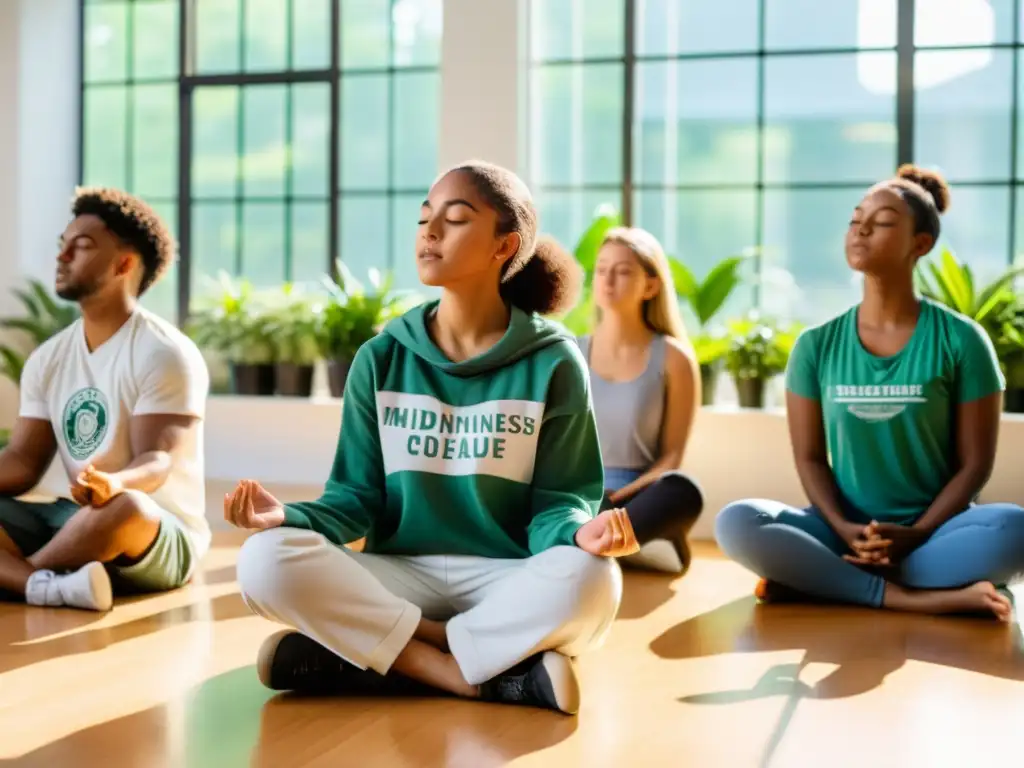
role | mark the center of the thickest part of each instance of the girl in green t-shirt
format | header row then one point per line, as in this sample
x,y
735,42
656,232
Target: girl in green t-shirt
x,y
894,411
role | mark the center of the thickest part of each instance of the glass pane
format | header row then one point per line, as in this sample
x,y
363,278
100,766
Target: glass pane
x,y
365,29
263,244
156,39
577,124
106,39
215,142
823,122
162,297
565,216
1018,227
963,22
417,32
405,212
700,229
155,141
962,119
309,241
365,155
804,274
266,35
976,229
415,150
104,140
672,27
311,139
577,29
794,24
266,153
364,233
311,34
213,247
696,121
218,30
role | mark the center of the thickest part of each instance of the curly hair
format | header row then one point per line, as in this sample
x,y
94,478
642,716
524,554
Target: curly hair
x,y
926,194
541,277
134,223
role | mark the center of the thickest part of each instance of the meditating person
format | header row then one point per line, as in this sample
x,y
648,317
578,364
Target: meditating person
x,y
645,383
468,458
894,411
120,396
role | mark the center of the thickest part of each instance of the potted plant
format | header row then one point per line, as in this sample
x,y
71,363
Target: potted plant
x,y
759,350
294,326
237,324
997,307
351,316
706,299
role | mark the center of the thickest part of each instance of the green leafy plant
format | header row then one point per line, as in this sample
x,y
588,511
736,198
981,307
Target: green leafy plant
x,y
352,315
237,322
294,323
950,282
44,317
759,350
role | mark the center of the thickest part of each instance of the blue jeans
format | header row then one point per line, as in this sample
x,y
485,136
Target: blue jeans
x,y
798,549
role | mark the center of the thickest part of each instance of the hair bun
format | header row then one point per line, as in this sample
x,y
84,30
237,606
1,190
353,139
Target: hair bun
x,y
550,281
932,182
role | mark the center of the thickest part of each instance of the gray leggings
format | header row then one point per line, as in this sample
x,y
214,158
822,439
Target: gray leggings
x,y
798,549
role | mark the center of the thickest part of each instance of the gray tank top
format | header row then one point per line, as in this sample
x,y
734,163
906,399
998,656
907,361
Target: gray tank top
x,y
629,413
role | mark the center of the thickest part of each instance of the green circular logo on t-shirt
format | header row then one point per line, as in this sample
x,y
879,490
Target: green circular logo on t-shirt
x,y
86,419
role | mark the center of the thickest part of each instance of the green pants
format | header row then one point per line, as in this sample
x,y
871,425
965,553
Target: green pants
x,y
167,564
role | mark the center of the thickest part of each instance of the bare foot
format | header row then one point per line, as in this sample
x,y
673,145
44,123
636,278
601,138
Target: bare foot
x,y
982,597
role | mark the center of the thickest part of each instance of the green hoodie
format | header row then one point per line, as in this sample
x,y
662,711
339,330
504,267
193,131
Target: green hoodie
x,y
496,456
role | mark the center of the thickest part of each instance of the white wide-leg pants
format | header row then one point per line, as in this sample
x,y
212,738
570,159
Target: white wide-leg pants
x,y
366,607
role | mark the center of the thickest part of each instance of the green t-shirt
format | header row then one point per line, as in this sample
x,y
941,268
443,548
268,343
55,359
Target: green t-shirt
x,y
890,422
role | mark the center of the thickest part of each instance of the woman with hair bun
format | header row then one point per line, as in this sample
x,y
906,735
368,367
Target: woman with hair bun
x,y
468,459
893,411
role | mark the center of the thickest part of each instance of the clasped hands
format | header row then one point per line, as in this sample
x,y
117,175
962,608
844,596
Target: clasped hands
x,y
93,488
881,544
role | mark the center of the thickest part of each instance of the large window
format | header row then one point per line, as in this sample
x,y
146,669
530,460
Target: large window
x,y
758,124
274,135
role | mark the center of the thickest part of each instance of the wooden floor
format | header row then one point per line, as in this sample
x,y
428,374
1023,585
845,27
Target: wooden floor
x,y
693,675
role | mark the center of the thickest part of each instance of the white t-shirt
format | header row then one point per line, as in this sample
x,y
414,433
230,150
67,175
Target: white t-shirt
x,y
147,367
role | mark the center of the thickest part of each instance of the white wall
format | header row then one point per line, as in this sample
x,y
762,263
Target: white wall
x,y
38,142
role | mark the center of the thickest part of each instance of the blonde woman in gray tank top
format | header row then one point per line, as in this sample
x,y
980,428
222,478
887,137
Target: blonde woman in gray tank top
x,y
646,390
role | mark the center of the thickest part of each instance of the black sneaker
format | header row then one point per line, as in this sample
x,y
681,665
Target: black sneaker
x,y
290,661
548,681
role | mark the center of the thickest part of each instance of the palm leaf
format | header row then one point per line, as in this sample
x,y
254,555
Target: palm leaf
x,y
720,282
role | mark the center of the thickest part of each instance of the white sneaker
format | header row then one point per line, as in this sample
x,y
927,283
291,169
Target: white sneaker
x,y
88,588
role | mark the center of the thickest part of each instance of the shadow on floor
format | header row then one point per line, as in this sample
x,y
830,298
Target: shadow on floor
x,y
15,656
866,646
231,720
643,592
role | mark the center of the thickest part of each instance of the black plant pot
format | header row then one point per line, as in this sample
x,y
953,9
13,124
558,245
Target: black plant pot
x,y
750,392
294,380
1013,401
249,379
337,375
708,383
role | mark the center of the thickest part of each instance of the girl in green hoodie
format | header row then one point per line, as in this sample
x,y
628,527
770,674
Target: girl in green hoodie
x,y
469,461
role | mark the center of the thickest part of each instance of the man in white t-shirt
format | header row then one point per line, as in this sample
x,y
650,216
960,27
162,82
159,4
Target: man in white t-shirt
x,y
120,397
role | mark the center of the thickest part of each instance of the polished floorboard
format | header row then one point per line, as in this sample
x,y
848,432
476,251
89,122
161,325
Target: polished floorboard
x,y
693,674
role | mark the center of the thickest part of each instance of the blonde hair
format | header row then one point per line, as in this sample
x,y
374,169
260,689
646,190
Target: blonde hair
x,y
661,313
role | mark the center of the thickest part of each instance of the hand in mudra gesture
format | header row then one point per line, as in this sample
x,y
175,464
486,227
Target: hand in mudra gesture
x,y
610,534
251,506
